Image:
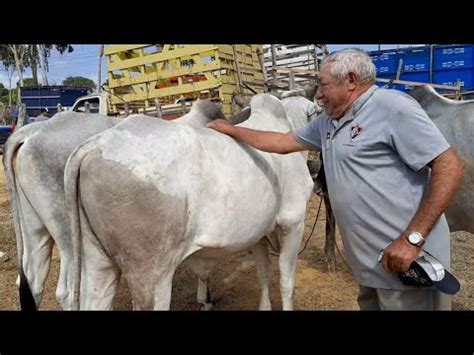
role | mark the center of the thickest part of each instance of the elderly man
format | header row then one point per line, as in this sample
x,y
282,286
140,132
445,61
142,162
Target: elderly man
x,y
390,175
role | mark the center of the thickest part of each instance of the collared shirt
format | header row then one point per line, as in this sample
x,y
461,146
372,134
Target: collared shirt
x,y
375,161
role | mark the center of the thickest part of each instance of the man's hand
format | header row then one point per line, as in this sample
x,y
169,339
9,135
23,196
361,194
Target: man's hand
x,y
266,141
220,125
399,255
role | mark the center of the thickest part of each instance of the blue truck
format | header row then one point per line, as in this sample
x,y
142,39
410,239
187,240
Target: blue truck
x,y
5,131
38,97
444,64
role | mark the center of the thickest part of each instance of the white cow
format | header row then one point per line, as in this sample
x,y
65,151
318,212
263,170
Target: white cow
x,y
455,120
34,240
148,194
34,160
300,111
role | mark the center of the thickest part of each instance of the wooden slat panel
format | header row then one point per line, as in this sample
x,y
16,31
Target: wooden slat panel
x,y
175,90
248,63
165,55
108,50
204,67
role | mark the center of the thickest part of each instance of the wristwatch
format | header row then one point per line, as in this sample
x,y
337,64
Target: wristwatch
x,y
416,239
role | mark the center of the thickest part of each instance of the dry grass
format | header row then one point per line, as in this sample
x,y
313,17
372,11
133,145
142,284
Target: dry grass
x,y
233,281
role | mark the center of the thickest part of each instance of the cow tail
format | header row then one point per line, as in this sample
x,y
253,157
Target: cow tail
x,y
11,147
71,189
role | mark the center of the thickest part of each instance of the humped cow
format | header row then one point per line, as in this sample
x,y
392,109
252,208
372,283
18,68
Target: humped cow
x,y
34,160
455,120
300,110
34,244
148,194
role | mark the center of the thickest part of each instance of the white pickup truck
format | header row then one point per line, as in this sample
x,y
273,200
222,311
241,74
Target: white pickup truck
x,y
99,103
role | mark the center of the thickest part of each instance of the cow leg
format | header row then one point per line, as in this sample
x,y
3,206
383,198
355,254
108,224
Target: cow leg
x,y
99,276
41,240
204,295
264,273
37,248
59,230
41,207
150,288
202,268
163,290
330,245
291,242
99,282
63,243
62,289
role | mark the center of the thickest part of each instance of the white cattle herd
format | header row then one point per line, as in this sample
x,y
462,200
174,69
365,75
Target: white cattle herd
x,y
136,197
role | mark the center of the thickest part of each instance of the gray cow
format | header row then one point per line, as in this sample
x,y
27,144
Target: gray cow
x,y
34,160
31,205
455,120
149,194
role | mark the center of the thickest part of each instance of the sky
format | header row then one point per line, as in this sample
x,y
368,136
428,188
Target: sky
x,y
83,62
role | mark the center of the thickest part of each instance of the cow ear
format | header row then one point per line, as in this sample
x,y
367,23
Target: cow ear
x,y
310,92
239,100
241,116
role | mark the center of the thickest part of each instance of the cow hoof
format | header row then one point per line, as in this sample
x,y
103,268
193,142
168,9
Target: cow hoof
x,y
206,306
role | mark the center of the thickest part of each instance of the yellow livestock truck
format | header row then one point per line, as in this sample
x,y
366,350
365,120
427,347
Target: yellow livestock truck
x,y
164,79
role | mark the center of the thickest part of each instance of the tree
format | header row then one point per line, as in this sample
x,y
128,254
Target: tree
x,y
19,55
28,82
3,90
99,76
42,63
79,81
3,96
19,51
10,71
6,96
23,56
6,56
40,54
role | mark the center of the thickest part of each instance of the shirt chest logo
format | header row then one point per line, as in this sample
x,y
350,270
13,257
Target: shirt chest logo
x,y
356,128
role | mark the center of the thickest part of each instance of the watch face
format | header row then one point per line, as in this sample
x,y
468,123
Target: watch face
x,y
414,238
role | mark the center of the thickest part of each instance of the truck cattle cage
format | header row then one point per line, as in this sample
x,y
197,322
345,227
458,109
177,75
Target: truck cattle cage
x,y
140,77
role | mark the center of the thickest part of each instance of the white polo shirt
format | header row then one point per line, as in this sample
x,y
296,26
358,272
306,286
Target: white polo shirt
x,y
375,161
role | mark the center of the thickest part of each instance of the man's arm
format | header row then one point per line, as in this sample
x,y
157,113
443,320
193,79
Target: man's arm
x,y
446,174
271,142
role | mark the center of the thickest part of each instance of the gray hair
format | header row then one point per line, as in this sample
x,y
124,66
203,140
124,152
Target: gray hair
x,y
353,60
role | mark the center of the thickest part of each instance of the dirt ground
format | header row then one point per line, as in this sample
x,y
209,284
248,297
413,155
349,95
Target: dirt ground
x,y
233,281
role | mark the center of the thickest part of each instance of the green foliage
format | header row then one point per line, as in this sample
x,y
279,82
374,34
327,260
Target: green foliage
x,y
79,81
27,82
4,95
